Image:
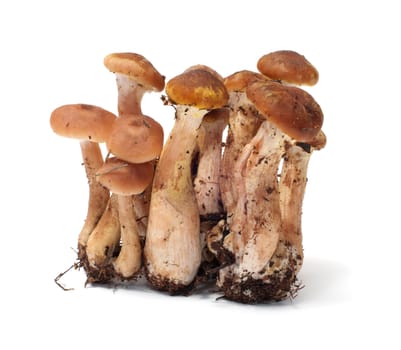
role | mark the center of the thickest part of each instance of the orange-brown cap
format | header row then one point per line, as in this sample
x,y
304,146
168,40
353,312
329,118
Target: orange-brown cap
x,y
137,68
207,68
238,81
124,178
199,88
83,122
291,109
136,138
288,66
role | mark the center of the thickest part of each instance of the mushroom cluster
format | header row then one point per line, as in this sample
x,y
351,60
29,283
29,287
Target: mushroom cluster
x,y
219,201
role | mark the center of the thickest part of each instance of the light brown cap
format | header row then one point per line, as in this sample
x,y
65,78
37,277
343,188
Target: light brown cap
x,y
124,178
136,138
291,109
137,68
238,81
199,88
288,66
82,122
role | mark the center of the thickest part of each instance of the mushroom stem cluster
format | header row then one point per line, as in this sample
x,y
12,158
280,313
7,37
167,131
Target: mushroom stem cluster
x,y
201,208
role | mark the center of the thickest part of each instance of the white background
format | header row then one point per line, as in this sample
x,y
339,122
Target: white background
x,y
52,54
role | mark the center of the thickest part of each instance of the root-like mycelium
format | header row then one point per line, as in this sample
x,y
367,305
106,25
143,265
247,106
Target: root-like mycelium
x,y
204,208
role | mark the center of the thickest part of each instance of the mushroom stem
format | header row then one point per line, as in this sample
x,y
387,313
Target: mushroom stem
x,y
292,189
141,204
243,125
130,95
256,230
173,247
102,242
98,195
129,260
207,178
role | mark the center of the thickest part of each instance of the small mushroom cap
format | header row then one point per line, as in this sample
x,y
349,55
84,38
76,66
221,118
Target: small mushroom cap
x,y
199,88
217,116
319,141
136,138
82,122
238,81
289,66
291,109
125,178
137,68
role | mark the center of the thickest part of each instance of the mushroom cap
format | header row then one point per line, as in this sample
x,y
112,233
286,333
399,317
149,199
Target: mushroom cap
x,y
207,68
125,178
136,138
218,116
291,109
238,81
199,88
137,68
319,141
82,122
289,66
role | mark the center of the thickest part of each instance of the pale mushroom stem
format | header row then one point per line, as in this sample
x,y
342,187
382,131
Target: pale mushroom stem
x,y
206,183
262,209
129,260
104,239
243,125
98,195
130,95
256,230
292,189
173,246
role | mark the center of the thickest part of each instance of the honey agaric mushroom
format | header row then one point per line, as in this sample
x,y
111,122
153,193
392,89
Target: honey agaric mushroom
x,y
135,76
288,66
136,138
126,179
265,264
90,125
173,246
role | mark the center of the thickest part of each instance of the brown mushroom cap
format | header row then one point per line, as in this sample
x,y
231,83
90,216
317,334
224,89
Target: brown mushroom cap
x,y
125,178
207,68
238,81
83,122
289,66
199,88
291,109
136,138
137,68
319,141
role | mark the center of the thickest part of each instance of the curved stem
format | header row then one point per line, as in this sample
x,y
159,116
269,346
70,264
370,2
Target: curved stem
x,y
105,237
98,195
243,125
173,246
128,262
